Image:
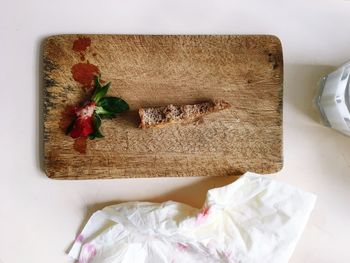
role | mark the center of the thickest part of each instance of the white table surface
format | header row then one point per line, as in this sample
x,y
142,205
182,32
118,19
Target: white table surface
x,y
40,217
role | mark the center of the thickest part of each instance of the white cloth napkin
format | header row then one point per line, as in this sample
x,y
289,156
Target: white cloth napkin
x,y
253,220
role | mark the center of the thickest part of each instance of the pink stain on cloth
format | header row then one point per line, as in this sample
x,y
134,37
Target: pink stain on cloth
x,y
88,252
231,227
182,246
79,238
203,214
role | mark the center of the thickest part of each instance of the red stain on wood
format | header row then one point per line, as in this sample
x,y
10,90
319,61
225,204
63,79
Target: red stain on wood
x,y
67,116
81,44
84,73
80,144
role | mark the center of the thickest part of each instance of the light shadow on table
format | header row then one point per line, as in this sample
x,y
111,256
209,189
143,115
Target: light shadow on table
x,y
301,85
193,194
300,88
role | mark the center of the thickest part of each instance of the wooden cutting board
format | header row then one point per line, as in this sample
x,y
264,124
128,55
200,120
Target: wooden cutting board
x,y
246,71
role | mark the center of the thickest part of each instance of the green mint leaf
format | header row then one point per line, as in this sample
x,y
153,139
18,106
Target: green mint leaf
x,y
99,93
103,113
98,134
113,105
96,122
97,82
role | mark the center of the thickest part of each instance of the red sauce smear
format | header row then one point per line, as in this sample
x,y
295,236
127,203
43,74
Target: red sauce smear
x,y
80,144
67,116
81,44
84,73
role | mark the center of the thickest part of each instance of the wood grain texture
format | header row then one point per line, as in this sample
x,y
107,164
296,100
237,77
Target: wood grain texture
x,y
246,71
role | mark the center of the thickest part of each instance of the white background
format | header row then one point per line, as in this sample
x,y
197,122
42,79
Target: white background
x,y
39,217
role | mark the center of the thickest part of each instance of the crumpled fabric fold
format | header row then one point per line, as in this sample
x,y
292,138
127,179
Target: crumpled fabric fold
x,y
253,220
